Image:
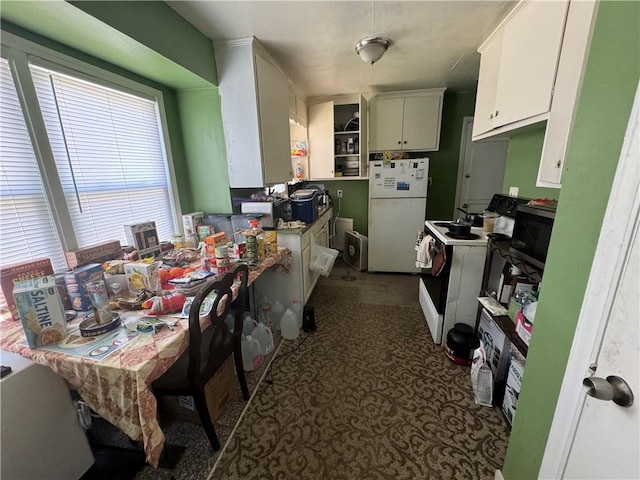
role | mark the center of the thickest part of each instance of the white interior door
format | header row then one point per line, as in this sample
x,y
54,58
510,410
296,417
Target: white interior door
x,y
591,438
480,171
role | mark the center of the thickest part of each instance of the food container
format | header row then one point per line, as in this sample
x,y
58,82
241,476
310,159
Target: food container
x,y
304,205
76,282
143,275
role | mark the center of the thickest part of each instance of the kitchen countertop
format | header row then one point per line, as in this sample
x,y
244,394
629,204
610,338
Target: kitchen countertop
x,y
300,231
439,233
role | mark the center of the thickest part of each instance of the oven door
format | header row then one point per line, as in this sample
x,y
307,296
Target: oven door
x,y
433,293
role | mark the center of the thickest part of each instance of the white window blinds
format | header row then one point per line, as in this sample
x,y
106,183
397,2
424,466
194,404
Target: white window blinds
x,y
26,227
109,155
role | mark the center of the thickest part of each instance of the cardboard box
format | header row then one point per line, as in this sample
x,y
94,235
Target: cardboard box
x,y
18,272
144,238
76,281
40,310
523,327
512,389
143,275
496,345
205,231
219,392
102,252
190,223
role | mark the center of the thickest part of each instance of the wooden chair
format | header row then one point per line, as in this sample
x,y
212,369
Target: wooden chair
x,y
209,349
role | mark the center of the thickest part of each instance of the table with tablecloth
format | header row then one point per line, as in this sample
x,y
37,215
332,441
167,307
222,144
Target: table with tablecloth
x,y
118,387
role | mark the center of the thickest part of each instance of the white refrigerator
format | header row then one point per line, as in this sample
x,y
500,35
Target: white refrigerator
x,y
397,207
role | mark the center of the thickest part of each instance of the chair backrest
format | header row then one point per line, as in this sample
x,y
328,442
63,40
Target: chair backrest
x,y
204,359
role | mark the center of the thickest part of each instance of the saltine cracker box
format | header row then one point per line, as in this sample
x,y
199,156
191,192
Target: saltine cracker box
x,y
144,238
143,275
76,281
18,272
40,310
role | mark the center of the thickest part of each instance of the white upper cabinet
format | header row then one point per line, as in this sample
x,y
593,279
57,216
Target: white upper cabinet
x,y
518,68
255,115
406,120
338,138
297,106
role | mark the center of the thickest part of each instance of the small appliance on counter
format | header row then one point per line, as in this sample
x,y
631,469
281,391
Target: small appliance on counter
x,y
304,205
271,210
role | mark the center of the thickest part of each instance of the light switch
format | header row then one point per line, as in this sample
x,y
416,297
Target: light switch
x,y
513,191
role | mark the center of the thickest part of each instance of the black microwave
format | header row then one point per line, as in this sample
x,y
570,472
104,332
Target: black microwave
x,y
532,233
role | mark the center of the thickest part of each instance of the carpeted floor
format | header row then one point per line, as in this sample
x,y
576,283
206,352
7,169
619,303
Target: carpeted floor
x,y
367,396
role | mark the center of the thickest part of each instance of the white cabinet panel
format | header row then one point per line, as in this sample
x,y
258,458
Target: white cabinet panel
x,y
406,120
386,115
321,144
255,115
487,85
529,60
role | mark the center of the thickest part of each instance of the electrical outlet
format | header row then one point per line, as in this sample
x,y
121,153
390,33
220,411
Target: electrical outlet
x,y
339,193
513,191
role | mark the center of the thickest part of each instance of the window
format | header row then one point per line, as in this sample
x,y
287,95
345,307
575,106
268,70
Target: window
x,y
82,153
98,162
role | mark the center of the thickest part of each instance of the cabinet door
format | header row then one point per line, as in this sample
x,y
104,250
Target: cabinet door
x,y
421,122
308,276
273,107
529,60
487,86
385,115
321,143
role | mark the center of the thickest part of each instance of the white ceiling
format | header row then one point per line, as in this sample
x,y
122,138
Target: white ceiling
x,y
434,43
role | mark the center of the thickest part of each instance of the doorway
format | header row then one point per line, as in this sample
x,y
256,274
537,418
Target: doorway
x,y
480,170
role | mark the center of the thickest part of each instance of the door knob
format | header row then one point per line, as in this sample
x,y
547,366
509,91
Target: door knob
x,y
466,175
612,388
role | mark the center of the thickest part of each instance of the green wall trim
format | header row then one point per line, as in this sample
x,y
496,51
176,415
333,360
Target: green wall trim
x,y
610,81
181,42
64,23
521,170
206,155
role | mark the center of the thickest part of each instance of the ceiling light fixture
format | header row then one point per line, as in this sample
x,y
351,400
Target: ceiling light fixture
x,y
372,48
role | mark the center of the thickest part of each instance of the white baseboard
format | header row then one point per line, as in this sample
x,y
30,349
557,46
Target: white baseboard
x,y
498,475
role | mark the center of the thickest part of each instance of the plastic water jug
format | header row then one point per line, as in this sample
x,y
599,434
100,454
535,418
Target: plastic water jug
x,y
277,310
230,321
251,354
289,325
263,334
248,325
297,308
264,316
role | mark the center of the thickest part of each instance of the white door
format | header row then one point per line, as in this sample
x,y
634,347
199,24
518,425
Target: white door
x,y
321,144
591,438
480,171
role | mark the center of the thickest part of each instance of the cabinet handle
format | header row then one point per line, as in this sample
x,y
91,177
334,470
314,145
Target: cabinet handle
x,y
405,142
497,113
399,142
491,117
558,163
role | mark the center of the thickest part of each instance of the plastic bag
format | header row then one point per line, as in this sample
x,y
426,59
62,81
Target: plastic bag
x,y
481,377
322,259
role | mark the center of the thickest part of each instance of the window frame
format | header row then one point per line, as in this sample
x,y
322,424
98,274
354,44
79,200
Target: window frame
x,y
21,53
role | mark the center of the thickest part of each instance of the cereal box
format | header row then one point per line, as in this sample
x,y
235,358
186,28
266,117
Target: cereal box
x,y
190,222
144,238
98,253
76,281
40,311
17,272
143,275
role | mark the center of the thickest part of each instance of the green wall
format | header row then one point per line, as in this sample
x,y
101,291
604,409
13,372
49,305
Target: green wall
x,y
354,203
443,169
443,164
521,169
604,105
205,149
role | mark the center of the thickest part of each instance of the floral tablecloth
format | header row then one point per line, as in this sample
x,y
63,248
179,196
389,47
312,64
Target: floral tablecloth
x,y
118,387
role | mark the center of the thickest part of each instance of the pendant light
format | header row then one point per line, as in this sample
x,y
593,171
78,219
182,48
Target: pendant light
x,y
372,48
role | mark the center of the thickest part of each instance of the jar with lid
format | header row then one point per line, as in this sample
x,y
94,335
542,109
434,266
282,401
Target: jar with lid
x,y
177,239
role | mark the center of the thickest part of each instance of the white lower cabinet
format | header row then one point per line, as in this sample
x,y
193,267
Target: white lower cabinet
x,y
299,282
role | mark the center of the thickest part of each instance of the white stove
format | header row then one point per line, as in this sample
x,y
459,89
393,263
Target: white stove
x,y
439,231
